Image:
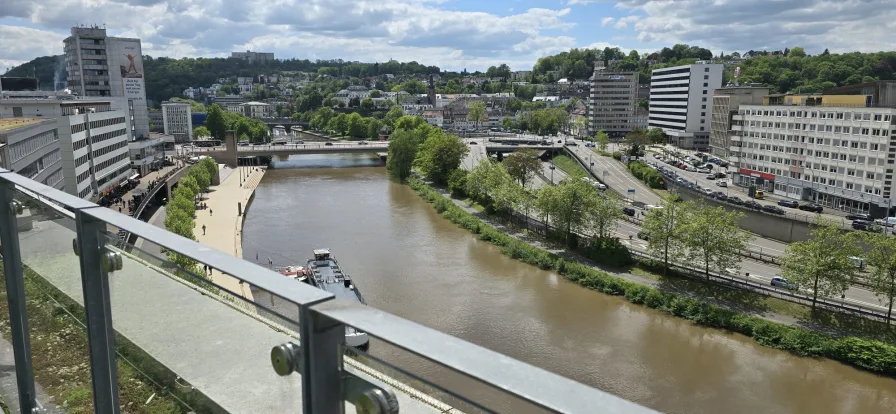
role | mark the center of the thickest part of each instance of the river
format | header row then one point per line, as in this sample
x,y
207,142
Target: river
x,y
409,261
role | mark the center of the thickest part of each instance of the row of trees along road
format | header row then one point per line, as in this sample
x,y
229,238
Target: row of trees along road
x,y
181,209
824,264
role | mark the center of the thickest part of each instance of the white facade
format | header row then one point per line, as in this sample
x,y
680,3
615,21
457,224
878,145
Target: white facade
x,y
838,157
681,102
353,92
253,57
32,150
178,121
149,153
93,139
256,110
433,117
98,65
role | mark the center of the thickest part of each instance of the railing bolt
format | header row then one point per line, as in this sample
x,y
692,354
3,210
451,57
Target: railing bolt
x,y
111,261
16,207
75,247
376,401
285,358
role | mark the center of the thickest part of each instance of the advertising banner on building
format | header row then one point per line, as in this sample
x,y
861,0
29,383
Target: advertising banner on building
x,y
131,67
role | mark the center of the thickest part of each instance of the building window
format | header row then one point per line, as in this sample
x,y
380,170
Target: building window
x,y
702,113
702,106
706,69
705,85
704,92
704,99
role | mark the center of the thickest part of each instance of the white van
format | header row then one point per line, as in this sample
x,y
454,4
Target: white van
x,y
601,187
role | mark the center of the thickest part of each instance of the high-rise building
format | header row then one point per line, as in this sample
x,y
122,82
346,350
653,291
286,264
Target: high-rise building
x,y
253,57
99,65
681,102
834,150
614,98
92,136
177,120
725,103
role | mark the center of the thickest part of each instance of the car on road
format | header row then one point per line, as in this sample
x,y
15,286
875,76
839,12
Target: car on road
x,y
864,225
691,169
858,216
362,142
721,197
753,205
735,200
711,177
628,211
721,175
773,210
473,143
572,144
708,191
328,144
703,170
643,235
722,183
811,207
889,221
781,282
788,204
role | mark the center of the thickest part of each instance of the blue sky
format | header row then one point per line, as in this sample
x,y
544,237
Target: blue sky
x,y
453,34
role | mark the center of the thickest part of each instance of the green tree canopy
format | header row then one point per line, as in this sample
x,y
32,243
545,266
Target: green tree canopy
x,y
439,155
522,165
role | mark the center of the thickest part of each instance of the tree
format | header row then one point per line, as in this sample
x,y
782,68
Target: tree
x,y
580,124
189,183
475,112
796,52
567,204
214,121
507,123
823,262
367,104
210,165
656,136
881,259
355,125
602,217
665,230
373,128
522,165
439,155
201,132
636,140
394,113
713,238
201,177
402,151
602,139
491,184
375,94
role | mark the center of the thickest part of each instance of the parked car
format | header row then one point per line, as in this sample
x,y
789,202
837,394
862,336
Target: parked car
x,y
365,142
708,191
788,204
753,205
735,200
721,197
780,282
889,221
773,209
711,177
722,183
328,144
811,207
721,175
628,211
857,216
703,171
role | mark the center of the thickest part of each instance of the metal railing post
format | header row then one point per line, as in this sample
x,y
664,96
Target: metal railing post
x,y
321,363
15,297
97,304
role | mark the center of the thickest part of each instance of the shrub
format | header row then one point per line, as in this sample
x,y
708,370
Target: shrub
x,y
648,175
870,355
617,155
608,251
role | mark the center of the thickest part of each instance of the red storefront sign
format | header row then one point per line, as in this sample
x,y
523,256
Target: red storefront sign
x,y
757,174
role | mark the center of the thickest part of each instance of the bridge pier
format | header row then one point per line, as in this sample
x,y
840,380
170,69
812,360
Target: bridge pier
x,y
230,149
283,157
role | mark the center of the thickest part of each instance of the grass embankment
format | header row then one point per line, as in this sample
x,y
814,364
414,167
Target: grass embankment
x,y
61,357
570,166
870,355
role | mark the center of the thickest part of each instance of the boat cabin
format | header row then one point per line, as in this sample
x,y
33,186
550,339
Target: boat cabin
x,y
322,254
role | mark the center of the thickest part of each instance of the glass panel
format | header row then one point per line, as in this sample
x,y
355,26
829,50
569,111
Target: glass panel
x,y
52,277
424,385
194,337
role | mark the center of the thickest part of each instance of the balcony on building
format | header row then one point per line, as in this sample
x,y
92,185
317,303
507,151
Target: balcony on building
x,y
209,347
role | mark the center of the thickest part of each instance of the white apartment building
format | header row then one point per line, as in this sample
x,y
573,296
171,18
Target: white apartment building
x,y
177,120
92,136
681,102
30,147
253,57
838,157
256,110
99,65
612,103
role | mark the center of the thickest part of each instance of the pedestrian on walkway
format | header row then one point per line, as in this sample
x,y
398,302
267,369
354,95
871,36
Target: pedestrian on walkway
x,y
203,229
210,212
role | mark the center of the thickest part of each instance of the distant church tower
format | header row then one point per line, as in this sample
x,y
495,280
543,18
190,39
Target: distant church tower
x,y
432,92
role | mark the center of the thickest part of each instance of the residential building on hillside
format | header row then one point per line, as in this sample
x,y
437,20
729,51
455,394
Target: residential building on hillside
x,y
257,110
30,147
835,150
177,120
346,96
92,136
193,93
99,65
253,57
520,75
681,102
612,102
725,103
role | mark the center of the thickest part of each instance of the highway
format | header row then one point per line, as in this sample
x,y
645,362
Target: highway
x,y
616,176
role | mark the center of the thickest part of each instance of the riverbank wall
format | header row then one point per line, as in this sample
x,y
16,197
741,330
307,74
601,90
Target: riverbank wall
x,y
870,355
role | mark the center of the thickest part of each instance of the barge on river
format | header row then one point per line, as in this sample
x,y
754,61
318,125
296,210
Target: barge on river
x,y
323,272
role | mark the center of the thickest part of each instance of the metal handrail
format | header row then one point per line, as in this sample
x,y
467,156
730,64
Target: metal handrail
x,y
322,321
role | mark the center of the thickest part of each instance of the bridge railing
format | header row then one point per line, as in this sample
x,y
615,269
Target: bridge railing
x,y
76,239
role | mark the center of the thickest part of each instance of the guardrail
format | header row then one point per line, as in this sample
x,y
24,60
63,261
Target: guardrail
x,y
538,227
326,384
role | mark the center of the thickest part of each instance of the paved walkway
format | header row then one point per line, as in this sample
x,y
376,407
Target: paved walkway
x,y
223,225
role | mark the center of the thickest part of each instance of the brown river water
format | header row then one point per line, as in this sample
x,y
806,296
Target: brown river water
x,y
409,261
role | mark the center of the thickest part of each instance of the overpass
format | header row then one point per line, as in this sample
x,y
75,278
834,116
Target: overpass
x,y
288,123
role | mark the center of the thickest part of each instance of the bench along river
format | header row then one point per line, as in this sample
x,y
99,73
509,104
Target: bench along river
x,y
408,260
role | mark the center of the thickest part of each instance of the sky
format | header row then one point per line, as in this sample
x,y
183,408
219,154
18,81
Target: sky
x,y
452,34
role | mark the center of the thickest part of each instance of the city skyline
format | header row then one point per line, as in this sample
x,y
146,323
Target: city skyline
x,y
450,34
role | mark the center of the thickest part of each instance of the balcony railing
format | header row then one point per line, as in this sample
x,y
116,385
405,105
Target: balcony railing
x,y
217,343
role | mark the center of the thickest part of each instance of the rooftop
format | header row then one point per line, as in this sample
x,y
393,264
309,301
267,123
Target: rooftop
x,y
13,123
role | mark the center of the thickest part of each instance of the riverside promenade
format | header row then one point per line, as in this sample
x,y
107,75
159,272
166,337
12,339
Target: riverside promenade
x,y
223,224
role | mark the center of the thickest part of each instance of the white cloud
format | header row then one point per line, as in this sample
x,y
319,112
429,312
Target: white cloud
x,y
729,25
606,20
28,44
623,23
580,2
